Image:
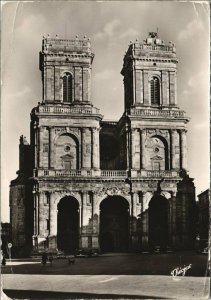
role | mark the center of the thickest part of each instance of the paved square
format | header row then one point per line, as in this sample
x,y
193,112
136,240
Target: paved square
x,y
114,276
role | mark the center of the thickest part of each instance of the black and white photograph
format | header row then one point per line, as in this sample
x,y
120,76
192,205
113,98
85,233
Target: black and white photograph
x,y
105,150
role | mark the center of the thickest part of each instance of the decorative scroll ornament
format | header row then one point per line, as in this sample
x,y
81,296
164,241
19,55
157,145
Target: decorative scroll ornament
x,y
112,191
161,132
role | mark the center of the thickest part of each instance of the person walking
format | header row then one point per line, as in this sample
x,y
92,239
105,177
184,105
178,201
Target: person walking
x,y
3,262
44,258
50,259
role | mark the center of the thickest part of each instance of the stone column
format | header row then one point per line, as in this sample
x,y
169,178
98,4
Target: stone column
x,y
133,148
35,244
78,83
95,218
35,212
175,88
47,85
57,83
165,88
173,144
145,223
40,144
127,132
95,148
83,146
139,87
85,84
172,88
83,221
146,88
173,237
134,233
42,216
142,154
52,223
51,147
183,149
35,146
134,86
87,220
37,225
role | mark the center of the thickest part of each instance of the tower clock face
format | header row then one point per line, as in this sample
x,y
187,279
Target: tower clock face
x,y
109,147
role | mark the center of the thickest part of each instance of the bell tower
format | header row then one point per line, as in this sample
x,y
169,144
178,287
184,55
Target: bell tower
x,y
65,125
66,71
149,72
154,124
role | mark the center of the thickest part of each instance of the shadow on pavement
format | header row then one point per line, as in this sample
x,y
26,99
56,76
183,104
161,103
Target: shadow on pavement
x,y
18,294
117,265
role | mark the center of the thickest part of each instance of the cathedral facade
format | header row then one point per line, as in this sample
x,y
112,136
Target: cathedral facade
x,y
86,183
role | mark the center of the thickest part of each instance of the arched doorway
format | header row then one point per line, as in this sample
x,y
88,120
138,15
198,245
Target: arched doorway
x,y
158,222
68,225
114,224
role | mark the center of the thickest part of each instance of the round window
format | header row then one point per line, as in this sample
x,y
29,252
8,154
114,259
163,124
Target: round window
x,y
156,149
66,148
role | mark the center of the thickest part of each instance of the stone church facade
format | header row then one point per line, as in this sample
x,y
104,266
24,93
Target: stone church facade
x,y
88,183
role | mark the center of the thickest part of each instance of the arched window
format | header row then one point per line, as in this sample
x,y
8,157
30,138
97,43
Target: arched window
x,y
155,90
67,88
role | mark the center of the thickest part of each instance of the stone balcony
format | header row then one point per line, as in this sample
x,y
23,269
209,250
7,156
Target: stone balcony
x,y
61,109
114,174
162,113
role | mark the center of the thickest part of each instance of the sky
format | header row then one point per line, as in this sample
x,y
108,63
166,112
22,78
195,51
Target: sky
x,y
110,25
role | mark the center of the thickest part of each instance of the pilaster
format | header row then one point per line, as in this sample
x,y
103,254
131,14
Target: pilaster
x,y
139,87
51,147
173,133
40,146
133,148
95,148
172,88
83,146
183,149
95,217
78,83
142,154
146,88
165,88
128,149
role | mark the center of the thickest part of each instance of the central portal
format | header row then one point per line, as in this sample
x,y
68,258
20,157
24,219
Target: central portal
x,y
114,224
158,222
68,225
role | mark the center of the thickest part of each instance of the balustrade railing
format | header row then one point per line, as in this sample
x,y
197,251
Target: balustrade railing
x,y
107,173
153,173
68,173
67,110
113,173
157,113
158,47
